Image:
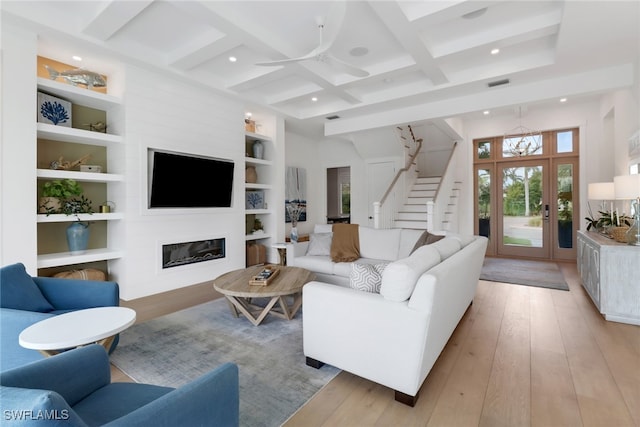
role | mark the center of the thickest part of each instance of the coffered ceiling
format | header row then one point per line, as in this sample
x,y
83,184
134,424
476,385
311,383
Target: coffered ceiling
x,y
425,60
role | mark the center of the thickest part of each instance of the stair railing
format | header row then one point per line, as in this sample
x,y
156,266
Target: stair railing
x,y
383,214
436,208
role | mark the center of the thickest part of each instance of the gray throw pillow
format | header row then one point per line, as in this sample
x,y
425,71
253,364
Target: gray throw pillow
x,y
320,244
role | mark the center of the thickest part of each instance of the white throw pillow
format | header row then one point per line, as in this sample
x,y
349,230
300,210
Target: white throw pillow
x,y
400,277
366,277
320,244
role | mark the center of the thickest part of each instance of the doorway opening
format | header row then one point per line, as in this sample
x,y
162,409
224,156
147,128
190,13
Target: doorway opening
x,y
339,195
525,191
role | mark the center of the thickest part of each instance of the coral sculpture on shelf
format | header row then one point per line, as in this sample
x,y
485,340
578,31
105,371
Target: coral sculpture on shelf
x,y
54,111
67,165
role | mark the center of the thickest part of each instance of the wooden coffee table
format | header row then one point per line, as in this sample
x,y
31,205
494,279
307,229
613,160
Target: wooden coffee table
x,y
77,328
235,286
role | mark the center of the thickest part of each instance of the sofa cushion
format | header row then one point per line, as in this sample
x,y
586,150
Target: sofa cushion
x,y
447,247
379,243
317,264
320,244
343,269
464,239
345,246
19,291
366,277
408,239
399,278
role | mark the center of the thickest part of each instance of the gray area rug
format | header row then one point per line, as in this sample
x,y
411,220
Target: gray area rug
x,y
542,274
177,348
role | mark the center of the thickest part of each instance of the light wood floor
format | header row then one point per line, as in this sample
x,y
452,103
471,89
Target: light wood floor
x,y
521,356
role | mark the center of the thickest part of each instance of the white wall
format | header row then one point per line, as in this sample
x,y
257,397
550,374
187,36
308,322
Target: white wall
x,y
168,114
18,242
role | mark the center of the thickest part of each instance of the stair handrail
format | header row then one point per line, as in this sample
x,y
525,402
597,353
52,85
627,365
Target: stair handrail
x,y
404,169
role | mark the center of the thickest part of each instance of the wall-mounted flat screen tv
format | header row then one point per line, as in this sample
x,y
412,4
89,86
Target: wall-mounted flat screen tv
x,y
180,180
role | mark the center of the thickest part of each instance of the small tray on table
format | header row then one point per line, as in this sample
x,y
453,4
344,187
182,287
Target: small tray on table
x,y
265,277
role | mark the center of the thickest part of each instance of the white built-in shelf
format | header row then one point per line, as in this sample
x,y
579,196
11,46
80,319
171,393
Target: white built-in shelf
x,y
77,136
257,211
78,95
257,162
255,186
252,136
65,258
82,217
257,236
79,176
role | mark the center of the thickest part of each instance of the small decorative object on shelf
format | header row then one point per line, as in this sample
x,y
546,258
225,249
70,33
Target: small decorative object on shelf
x,y
258,149
254,199
78,76
250,175
107,207
249,125
53,110
66,165
78,237
54,193
97,127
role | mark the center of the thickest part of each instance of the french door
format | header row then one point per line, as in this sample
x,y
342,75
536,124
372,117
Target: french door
x,y
525,203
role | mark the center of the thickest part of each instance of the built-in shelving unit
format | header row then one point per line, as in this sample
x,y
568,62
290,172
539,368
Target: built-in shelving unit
x,y
78,141
265,183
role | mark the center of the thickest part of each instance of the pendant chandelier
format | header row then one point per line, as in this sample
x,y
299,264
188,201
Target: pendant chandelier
x,y
522,141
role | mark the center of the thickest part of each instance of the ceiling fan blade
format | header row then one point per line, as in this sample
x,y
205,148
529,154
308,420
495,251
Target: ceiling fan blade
x,y
310,55
338,64
331,25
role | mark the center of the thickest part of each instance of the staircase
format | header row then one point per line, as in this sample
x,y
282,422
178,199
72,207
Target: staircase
x,y
414,213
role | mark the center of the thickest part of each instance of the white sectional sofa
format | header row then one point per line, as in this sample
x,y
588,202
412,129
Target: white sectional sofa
x,y
393,337
376,246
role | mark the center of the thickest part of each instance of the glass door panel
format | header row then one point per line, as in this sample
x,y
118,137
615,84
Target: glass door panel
x,y
483,182
524,210
565,224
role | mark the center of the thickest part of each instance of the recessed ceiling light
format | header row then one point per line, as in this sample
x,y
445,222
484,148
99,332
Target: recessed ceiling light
x,y
76,58
232,59
359,51
563,99
495,51
314,99
486,112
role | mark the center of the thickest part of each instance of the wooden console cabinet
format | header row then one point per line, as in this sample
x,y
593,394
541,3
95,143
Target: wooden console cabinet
x,y
610,273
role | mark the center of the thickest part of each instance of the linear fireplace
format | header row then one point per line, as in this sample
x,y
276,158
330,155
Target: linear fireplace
x,y
176,254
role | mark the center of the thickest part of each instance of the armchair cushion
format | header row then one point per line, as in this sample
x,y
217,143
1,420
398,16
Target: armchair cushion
x,y
20,292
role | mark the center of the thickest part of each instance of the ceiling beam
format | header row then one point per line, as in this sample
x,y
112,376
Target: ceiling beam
x,y
396,21
113,16
589,82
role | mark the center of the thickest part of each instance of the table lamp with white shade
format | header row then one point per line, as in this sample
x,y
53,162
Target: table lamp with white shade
x,y
627,187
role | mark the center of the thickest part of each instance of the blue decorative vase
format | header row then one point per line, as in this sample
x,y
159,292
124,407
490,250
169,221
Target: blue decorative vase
x,y
294,233
78,237
258,149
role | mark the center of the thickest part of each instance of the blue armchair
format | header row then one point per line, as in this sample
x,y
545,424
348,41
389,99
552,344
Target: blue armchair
x,y
25,300
75,389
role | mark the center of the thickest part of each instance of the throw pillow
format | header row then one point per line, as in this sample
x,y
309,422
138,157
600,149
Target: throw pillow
x,y
345,245
20,292
320,244
426,239
366,277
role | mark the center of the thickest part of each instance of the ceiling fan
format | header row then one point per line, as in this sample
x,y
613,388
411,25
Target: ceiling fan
x,y
322,54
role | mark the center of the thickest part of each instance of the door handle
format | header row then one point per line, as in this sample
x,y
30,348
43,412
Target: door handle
x,y
546,212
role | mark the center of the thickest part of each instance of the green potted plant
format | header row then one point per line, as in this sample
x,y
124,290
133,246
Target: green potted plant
x,y
78,231
56,191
